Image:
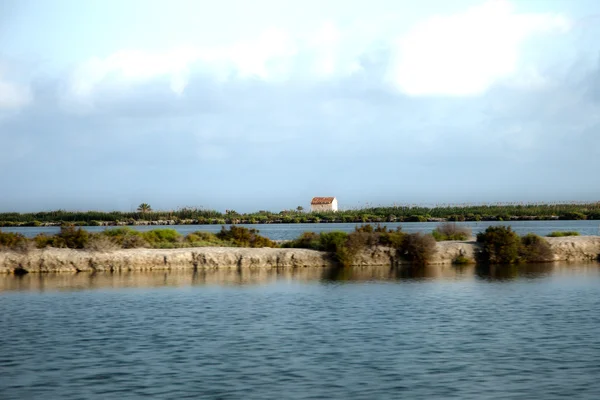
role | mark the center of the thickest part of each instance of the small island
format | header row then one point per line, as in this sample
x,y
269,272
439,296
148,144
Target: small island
x,y
124,249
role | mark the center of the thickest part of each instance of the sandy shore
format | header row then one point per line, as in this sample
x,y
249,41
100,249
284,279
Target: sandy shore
x,y
575,248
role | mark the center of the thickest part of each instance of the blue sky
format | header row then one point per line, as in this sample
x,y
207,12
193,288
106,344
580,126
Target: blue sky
x,y
264,104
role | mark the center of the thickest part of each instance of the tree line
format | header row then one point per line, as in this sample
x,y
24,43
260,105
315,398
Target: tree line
x,y
411,213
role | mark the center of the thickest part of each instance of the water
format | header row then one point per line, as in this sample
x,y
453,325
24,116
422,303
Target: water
x,y
367,333
292,231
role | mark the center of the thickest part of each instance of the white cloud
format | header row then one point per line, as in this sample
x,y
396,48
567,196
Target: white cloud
x,y
458,54
465,53
134,66
13,96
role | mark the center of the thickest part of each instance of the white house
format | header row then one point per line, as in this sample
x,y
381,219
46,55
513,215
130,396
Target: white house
x,y
323,204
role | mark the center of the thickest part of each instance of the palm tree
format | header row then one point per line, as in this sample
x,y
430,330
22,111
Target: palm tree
x,y
144,208
300,208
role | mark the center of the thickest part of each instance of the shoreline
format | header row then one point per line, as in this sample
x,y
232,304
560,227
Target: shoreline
x,y
308,220
569,249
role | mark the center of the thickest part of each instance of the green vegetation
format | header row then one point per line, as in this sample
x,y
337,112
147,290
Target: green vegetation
x,y
144,208
408,213
244,237
10,240
500,245
535,249
415,247
451,231
563,233
126,238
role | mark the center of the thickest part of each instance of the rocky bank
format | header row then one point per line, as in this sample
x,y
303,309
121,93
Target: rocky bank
x,y
575,248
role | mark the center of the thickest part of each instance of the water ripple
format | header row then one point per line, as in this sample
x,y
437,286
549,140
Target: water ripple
x,y
467,339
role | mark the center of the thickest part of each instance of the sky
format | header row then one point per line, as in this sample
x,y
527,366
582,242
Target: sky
x,y
263,104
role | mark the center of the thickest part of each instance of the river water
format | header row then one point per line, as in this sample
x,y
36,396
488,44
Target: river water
x,y
366,333
292,231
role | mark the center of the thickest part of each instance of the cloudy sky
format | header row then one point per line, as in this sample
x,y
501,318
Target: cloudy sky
x,y
263,104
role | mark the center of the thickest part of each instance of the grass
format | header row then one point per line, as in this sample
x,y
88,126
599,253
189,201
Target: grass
x,y
563,234
451,231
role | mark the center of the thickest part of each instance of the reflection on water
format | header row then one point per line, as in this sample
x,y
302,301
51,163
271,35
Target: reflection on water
x,y
422,333
178,278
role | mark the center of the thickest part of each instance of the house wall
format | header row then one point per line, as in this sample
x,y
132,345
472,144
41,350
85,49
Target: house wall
x,y
325,207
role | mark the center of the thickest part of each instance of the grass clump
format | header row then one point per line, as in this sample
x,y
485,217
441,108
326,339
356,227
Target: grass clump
x,y
450,231
563,233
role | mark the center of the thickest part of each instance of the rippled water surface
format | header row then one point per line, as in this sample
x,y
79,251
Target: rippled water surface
x,y
434,333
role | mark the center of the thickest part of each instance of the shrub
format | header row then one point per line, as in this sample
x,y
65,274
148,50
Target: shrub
x,y
42,240
134,242
162,237
394,239
563,233
499,245
71,237
332,241
126,238
535,249
100,242
308,240
198,239
451,231
11,240
419,248
244,237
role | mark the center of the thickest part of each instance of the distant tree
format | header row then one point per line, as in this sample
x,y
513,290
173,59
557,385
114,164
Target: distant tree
x,y
144,208
300,208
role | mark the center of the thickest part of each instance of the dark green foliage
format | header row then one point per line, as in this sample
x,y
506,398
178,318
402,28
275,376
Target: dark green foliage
x,y
71,237
416,247
411,213
12,240
500,245
535,249
574,215
451,231
561,234
244,237
419,248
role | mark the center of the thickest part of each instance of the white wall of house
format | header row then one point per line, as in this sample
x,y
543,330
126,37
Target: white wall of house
x,y
333,206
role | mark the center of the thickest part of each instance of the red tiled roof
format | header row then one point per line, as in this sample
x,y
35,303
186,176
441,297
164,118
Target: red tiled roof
x,y
322,200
